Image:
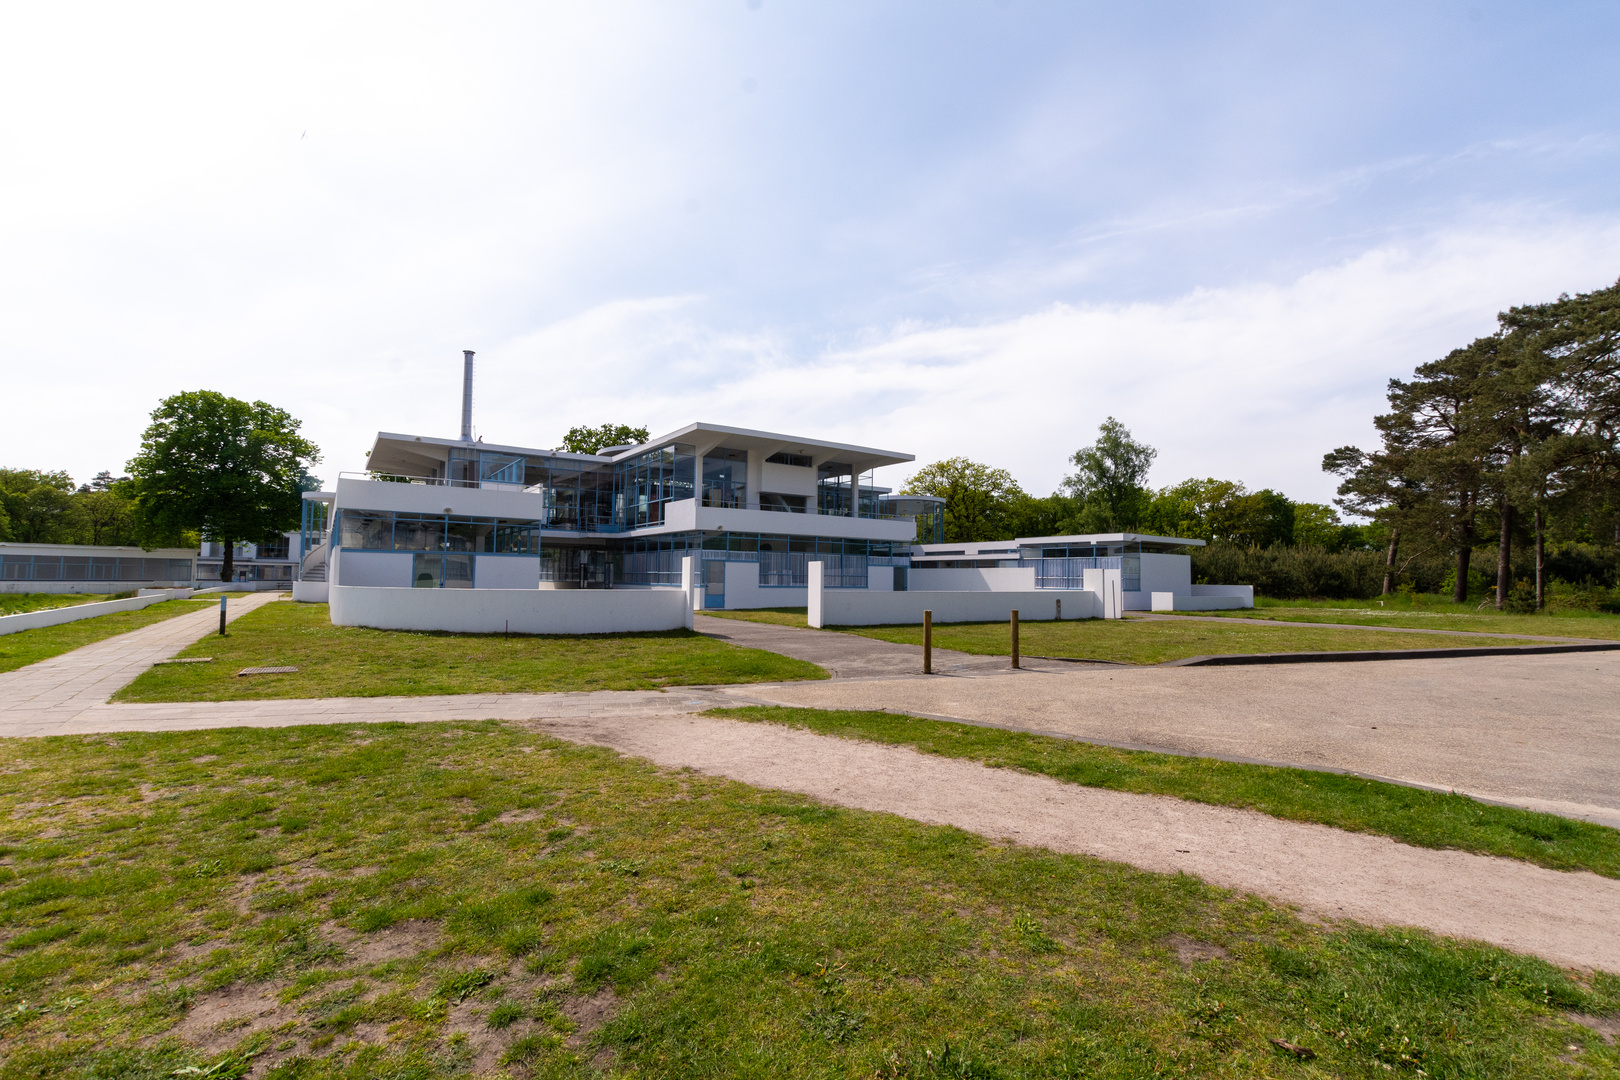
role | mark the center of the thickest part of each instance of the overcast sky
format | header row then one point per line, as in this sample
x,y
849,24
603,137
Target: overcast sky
x,y
941,228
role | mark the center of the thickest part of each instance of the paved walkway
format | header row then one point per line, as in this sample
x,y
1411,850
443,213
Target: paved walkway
x,y
67,685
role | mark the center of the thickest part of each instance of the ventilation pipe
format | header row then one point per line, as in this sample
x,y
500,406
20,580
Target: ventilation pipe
x,y
466,396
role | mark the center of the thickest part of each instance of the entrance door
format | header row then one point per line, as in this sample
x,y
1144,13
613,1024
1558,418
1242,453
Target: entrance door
x,y
714,585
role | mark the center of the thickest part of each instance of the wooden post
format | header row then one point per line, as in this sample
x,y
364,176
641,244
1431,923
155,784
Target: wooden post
x,y
1060,609
1015,637
928,643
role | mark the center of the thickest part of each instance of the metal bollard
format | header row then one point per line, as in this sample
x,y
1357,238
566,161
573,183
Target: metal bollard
x,y
928,643
1015,637
221,614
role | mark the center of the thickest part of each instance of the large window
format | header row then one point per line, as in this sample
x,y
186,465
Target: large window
x,y
654,480
725,478
379,530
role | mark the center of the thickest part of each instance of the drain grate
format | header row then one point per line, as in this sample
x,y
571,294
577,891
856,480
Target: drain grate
x,y
267,671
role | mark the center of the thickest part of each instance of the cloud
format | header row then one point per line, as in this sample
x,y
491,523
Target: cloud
x,y
1251,382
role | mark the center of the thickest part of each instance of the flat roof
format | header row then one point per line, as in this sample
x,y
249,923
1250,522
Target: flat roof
x,y
998,547
394,451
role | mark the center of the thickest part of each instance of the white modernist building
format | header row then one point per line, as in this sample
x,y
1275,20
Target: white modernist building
x,y
464,535
460,534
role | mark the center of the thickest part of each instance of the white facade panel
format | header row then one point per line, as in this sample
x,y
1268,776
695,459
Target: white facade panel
x,y
372,569
434,498
719,519
506,572
997,579
787,480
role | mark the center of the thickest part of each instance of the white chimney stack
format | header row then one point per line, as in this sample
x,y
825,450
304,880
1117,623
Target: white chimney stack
x,y
466,396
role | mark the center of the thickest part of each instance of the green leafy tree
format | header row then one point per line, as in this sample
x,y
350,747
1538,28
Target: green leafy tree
x,y
226,468
591,440
38,506
1191,508
979,500
1110,480
105,512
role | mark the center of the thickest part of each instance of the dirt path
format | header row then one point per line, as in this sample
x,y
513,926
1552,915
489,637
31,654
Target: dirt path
x,y
1569,918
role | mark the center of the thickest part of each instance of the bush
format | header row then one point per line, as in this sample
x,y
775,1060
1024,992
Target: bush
x,y
1292,573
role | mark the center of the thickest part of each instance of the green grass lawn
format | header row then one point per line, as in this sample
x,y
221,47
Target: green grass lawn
x,y
439,900
778,616
1413,816
32,646
20,603
346,661
1434,614
1152,641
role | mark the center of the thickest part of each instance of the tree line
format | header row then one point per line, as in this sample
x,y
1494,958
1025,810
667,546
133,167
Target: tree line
x,y
1108,492
1510,441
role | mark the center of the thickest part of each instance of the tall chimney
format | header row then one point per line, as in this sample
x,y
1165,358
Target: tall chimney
x,y
466,396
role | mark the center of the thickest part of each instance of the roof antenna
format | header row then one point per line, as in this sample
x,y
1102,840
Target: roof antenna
x,y
466,396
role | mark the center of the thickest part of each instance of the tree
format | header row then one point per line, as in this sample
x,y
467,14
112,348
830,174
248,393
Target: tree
x,y
1110,481
38,505
979,500
591,440
1380,486
226,468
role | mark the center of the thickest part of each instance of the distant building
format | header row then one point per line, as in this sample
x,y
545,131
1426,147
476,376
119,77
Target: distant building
x,y
89,568
270,564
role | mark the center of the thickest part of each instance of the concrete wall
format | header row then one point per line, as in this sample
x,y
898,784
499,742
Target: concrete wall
x,y
32,620
310,592
1163,601
996,579
1161,573
519,611
1245,593
863,607
744,592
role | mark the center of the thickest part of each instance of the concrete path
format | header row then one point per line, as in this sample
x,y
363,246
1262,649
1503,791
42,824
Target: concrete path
x,y
1569,918
850,656
1542,732
67,685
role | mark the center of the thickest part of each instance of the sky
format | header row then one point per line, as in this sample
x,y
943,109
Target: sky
x,y
940,228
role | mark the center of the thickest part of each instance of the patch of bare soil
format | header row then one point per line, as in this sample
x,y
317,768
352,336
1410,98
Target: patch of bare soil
x,y
220,1019
513,817
1568,918
398,942
589,1013
1606,1026
1190,951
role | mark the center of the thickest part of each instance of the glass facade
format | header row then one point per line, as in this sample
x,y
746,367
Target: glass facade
x,y
92,568
655,479
725,478
380,530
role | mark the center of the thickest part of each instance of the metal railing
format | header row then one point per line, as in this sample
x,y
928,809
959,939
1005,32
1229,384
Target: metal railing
x,y
1070,573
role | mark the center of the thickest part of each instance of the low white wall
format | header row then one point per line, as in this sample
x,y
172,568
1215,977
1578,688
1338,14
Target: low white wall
x,y
33,620
90,587
992,579
1245,593
506,572
880,578
744,592
520,611
1163,601
863,607
310,592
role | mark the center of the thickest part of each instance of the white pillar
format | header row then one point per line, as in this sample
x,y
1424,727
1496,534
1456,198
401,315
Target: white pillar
x,y
689,586
816,579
